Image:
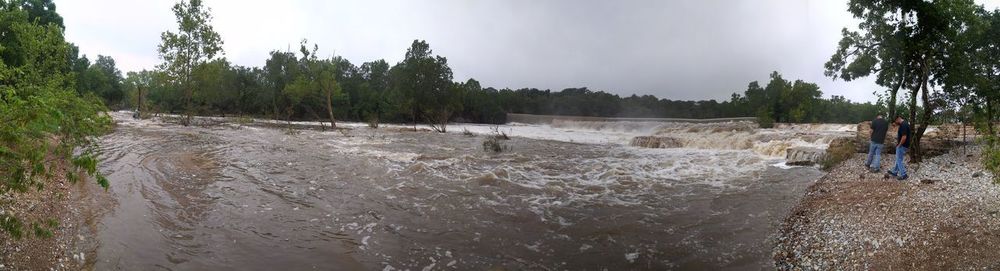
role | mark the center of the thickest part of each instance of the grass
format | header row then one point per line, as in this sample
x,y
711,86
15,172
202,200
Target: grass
x,y
243,120
840,149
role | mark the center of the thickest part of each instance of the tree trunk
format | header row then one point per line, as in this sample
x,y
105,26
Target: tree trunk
x,y
445,115
139,107
916,154
892,97
274,106
989,116
414,115
329,109
187,106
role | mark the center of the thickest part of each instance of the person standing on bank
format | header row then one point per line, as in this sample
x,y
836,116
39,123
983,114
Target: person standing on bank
x,y
903,138
879,127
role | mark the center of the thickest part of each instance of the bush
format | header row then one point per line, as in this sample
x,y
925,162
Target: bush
x,y
373,122
244,120
991,155
494,144
46,128
764,119
840,149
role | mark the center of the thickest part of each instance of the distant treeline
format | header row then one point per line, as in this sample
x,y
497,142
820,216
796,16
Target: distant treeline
x,y
372,91
420,88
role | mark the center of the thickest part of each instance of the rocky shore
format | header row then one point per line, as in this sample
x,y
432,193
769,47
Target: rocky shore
x,y
75,206
946,216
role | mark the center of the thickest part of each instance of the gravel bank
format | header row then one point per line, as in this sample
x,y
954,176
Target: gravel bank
x,y
72,245
946,216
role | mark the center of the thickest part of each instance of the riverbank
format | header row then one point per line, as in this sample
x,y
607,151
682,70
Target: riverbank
x,y
75,206
946,216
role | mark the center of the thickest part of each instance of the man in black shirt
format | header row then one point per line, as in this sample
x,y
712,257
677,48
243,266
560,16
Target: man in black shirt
x,y
903,136
879,126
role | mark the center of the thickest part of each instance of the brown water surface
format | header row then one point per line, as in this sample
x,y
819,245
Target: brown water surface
x,y
250,198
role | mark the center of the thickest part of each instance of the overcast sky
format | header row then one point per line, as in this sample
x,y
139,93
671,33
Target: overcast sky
x,y
678,49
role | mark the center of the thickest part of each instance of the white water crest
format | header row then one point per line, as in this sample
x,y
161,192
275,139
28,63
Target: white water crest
x,y
739,135
567,195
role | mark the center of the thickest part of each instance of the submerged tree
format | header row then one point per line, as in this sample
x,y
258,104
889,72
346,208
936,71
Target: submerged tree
x,y
194,44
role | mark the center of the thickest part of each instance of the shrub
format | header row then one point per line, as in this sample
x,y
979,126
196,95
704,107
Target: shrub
x,y
991,155
499,134
840,149
46,128
764,119
244,119
493,144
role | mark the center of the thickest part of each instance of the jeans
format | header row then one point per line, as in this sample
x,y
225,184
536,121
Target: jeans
x,y
900,168
874,156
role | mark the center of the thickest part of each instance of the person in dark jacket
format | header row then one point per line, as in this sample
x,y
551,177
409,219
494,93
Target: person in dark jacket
x,y
903,137
879,127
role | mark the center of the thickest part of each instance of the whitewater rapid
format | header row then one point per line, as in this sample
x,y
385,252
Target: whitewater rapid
x,y
569,195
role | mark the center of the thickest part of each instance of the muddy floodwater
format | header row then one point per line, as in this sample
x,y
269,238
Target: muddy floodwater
x,y
567,196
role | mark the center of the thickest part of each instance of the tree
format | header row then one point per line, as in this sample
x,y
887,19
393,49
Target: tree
x,y
195,43
46,127
974,69
40,12
103,79
137,86
903,43
373,103
281,69
424,82
324,75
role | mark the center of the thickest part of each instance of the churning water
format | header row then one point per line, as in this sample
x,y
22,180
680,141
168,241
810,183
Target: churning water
x,y
567,196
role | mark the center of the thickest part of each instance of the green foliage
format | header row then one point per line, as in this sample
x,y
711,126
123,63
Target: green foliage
x,y
194,44
764,119
836,154
423,83
908,44
46,127
991,155
102,79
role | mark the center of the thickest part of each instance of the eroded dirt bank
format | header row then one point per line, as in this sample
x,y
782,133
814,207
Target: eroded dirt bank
x,y
945,217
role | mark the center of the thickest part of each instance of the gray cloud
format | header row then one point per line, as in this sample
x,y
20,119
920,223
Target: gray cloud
x,y
686,49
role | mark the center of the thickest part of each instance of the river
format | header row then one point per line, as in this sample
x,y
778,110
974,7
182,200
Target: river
x,y
566,196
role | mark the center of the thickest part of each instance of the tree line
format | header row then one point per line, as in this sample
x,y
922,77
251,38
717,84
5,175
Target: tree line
x,y
194,78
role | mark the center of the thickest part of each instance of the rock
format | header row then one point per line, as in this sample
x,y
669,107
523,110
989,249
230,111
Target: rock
x,y
657,142
803,156
977,174
929,181
800,163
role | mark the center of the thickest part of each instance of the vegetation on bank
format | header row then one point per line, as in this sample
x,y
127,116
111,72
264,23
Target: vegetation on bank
x,y
46,125
196,78
944,52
